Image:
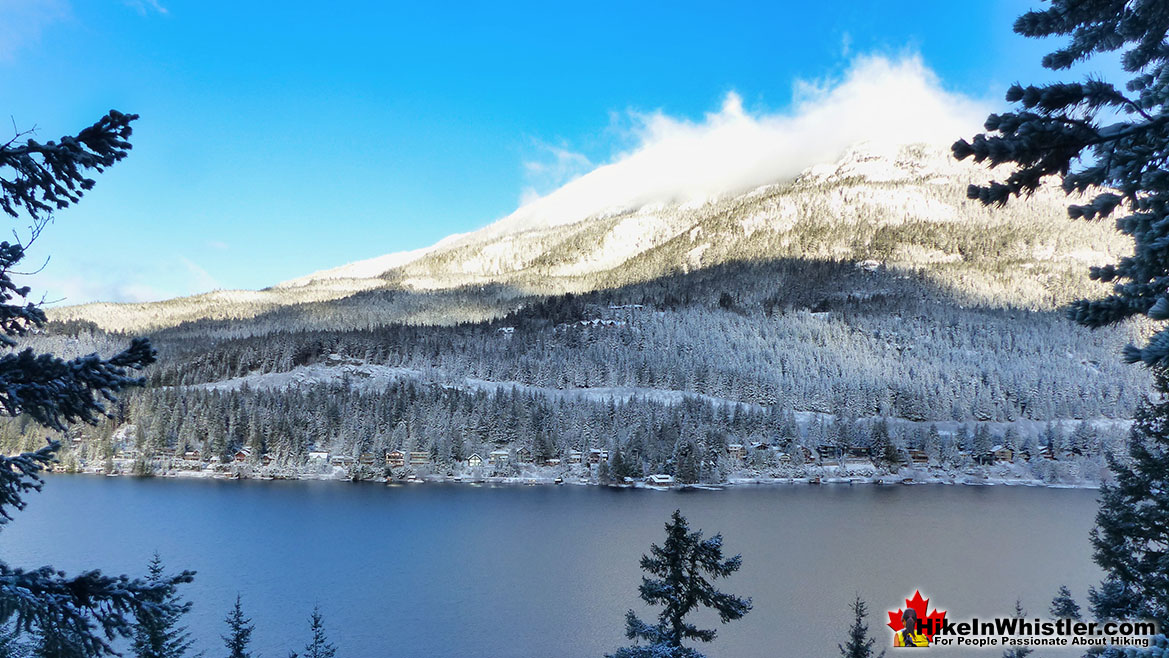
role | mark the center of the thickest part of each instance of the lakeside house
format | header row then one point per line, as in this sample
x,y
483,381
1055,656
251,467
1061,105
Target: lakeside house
x,y
660,479
318,455
736,451
474,461
419,458
242,454
497,457
395,459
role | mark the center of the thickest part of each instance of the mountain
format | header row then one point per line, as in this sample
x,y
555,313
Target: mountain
x,y
865,302
902,207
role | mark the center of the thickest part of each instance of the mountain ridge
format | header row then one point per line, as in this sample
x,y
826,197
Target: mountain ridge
x,y
901,206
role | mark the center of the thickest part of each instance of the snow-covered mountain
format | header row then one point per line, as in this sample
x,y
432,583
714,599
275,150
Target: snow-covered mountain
x,y
902,207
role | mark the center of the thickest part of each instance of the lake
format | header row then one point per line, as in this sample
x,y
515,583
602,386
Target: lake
x,y
513,571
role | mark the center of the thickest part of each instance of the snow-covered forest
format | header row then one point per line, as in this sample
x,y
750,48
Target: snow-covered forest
x,y
865,303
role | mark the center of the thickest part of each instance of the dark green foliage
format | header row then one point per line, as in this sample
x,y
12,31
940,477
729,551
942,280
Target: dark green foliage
x,y
1121,136
158,634
69,615
687,462
1063,606
53,641
239,632
859,644
319,646
681,566
37,179
1132,526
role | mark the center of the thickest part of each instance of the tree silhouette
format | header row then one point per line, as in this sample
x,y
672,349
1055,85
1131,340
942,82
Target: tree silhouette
x,y
1095,136
83,613
682,565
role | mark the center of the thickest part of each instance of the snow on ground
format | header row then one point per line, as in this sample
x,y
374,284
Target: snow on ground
x,y
341,370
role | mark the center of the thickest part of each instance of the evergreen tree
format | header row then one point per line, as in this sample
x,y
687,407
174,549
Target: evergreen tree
x,y
59,641
239,632
859,644
158,634
1132,525
1095,136
79,615
687,469
1018,652
681,566
1063,606
319,647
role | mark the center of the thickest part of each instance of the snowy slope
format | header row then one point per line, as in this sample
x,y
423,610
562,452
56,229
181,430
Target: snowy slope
x,y
902,206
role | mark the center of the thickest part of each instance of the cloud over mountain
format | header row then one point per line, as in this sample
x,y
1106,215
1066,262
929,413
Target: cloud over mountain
x,y
879,99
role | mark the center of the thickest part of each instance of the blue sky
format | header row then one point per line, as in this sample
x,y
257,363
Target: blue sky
x,y
281,138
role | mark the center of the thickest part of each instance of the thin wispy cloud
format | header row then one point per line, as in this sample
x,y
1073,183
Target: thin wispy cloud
x,y
200,279
122,282
555,166
145,7
879,99
22,22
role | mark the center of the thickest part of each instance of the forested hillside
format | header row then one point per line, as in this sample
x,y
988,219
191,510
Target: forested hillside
x,y
865,303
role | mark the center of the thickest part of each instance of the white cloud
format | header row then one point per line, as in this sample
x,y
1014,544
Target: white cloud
x,y
879,99
119,282
556,166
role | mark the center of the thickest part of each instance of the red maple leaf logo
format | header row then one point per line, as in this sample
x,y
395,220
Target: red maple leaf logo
x,y
930,623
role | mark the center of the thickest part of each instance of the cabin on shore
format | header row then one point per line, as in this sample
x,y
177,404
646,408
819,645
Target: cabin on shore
x,y
395,459
660,479
474,461
342,460
828,453
736,451
419,458
498,457
318,455
574,457
242,454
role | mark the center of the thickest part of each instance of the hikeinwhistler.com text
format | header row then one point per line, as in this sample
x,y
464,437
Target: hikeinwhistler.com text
x,y
1015,631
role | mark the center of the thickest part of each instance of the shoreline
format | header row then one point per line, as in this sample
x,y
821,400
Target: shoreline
x,y
579,479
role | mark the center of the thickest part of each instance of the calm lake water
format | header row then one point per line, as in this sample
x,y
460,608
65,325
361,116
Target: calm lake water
x,y
460,570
